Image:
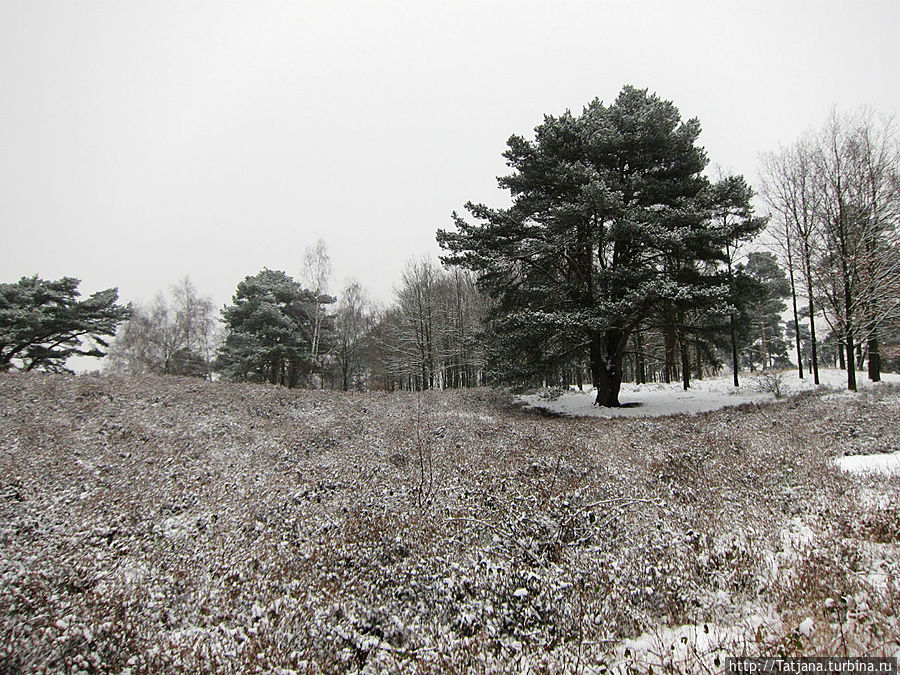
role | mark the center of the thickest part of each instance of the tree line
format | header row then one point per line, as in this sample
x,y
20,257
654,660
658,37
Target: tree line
x,y
292,332
618,259
835,194
619,256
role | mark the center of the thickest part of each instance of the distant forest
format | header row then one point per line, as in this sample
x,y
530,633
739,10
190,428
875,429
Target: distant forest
x,y
618,259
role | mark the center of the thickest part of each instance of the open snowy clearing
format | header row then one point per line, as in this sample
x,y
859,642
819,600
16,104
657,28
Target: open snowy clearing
x,y
658,399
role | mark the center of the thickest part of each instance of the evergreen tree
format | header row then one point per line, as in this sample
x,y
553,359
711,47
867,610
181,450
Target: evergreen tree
x,y
270,326
762,291
42,323
610,224
733,214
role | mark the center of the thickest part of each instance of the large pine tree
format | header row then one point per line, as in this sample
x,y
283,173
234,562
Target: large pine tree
x,y
43,323
270,327
609,227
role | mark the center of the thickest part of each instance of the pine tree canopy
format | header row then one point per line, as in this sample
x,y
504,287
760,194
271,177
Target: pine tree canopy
x,y
610,225
762,286
42,323
270,326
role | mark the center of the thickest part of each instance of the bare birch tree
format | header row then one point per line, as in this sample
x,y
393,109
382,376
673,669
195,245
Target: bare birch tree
x,y
178,335
791,191
316,277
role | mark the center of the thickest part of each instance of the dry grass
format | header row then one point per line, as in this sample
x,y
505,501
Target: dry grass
x,y
170,525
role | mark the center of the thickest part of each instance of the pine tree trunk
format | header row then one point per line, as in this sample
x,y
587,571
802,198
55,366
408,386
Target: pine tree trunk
x,y
731,323
874,360
641,371
608,386
685,364
734,354
606,367
796,316
765,353
669,340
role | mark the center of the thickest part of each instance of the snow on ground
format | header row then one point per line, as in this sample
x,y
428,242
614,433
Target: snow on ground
x,y
886,463
157,524
658,399
683,648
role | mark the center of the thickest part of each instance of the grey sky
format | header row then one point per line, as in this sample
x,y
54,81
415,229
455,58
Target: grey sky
x,y
142,141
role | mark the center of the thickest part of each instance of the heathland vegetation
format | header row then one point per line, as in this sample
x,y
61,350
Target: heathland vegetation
x,y
167,524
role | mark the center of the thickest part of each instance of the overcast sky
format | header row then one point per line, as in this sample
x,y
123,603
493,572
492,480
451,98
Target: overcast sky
x,y
144,140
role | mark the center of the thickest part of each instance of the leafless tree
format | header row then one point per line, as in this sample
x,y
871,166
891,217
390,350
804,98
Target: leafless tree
x,y
791,191
463,309
876,182
316,277
174,336
418,299
837,196
857,163
196,316
432,336
353,320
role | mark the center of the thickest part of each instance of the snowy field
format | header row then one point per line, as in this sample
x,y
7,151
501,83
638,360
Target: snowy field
x,y
166,525
656,399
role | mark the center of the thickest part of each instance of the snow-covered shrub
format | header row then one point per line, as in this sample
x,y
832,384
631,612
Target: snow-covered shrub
x,y
772,382
167,525
552,393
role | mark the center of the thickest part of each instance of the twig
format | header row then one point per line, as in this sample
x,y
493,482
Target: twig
x,y
497,530
619,501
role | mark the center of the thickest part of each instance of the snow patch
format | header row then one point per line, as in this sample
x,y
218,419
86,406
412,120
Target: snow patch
x,y
657,399
178,526
887,463
694,646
